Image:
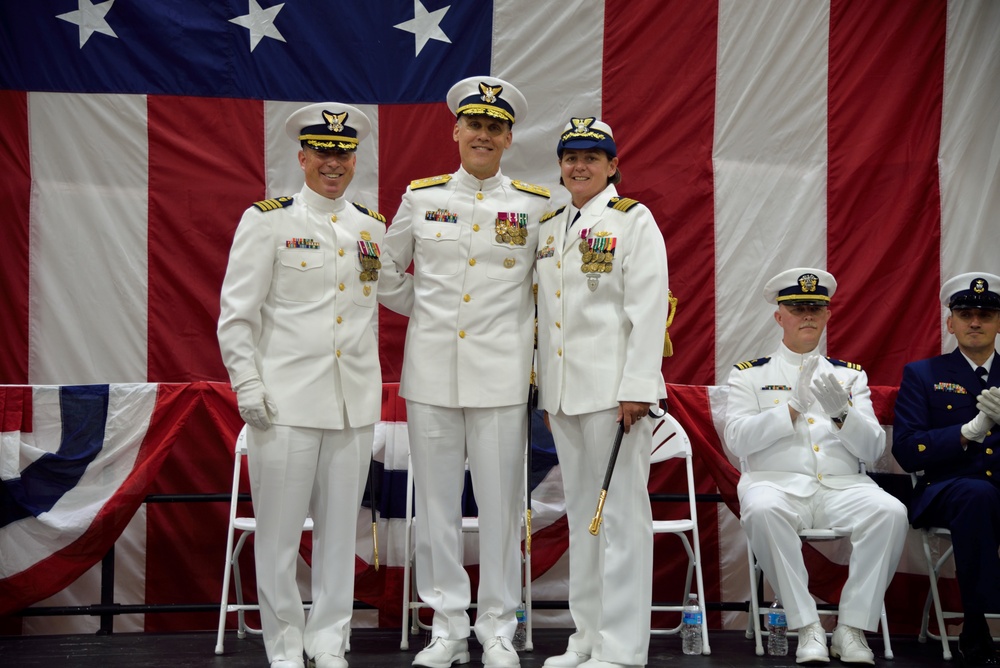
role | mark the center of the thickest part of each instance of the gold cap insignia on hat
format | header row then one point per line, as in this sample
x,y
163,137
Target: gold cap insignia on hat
x,y
808,282
979,286
490,93
581,124
334,122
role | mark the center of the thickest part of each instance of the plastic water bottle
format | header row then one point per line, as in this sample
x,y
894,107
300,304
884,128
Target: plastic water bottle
x,y
777,630
691,626
521,632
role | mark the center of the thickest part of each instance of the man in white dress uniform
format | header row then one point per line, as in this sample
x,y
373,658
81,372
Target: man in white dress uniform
x,y
298,303
800,424
602,311
471,236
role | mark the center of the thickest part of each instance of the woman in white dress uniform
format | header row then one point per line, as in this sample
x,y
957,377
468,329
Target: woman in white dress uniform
x,y
602,308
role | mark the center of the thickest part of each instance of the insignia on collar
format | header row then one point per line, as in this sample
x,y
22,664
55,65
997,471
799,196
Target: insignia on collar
x,y
274,204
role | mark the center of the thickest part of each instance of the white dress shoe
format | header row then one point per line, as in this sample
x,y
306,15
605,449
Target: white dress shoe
x,y
326,660
286,663
812,645
442,653
850,645
568,660
498,652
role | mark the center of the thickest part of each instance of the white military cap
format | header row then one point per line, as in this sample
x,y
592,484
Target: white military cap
x,y
801,285
487,96
972,290
327,126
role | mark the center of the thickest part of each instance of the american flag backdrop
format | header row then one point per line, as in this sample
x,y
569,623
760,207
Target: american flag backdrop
x,y
860,136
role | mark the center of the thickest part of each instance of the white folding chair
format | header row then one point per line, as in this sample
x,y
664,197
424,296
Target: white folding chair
x,y
934,567
671,441
470,525
246,526
755,620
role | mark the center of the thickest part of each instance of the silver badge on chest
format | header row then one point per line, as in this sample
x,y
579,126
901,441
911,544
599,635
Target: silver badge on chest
x,y
592,281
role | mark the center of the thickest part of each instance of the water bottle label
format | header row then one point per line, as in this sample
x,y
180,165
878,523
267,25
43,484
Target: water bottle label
x,y
520,615
692,618
777,619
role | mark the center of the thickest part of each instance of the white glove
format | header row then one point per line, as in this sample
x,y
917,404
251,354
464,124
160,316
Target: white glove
x,y
802,396
832,396
255,404
989,403
976,428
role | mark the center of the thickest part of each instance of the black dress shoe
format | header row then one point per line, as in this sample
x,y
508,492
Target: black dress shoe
x,y
977,654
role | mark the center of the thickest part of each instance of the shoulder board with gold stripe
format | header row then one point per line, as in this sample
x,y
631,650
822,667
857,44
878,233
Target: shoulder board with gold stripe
x,y
760,361
621,203
274,204
849,365
374,214
531,188
430,181
552,214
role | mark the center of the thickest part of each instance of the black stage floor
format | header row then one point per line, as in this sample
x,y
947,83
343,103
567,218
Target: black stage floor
x,y
379,648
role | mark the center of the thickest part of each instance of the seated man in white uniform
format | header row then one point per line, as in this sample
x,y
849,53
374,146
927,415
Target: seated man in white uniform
x,y
801,423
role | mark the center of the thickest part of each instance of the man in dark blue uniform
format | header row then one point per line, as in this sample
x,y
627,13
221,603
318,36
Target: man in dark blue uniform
x,y
945,430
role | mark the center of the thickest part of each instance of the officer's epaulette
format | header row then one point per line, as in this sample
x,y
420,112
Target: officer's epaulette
x,y
760,361
274,204
374,214
541,191
849,365
622,203
430,181
552,214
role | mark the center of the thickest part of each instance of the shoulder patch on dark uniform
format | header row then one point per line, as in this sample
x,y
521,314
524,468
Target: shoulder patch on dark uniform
x,y
552,214
374,214
849,365
541,191
274,204
430,181
622,203
760,361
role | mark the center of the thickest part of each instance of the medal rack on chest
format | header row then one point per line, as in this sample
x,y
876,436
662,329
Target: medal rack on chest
x,y
597,254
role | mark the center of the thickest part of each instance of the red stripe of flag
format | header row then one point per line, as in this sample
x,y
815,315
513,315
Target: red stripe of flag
x,y
198,148
666,118
15,193
883,197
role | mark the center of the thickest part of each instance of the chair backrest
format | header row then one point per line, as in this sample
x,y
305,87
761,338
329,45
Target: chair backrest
x,y
669,440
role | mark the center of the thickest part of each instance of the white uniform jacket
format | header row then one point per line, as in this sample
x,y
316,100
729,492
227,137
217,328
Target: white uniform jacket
x,y
469,339
799,457
600,331
298,311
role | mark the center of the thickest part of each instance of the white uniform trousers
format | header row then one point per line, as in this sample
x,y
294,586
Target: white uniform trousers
x,y
295,471
493,440
772,519
611,575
